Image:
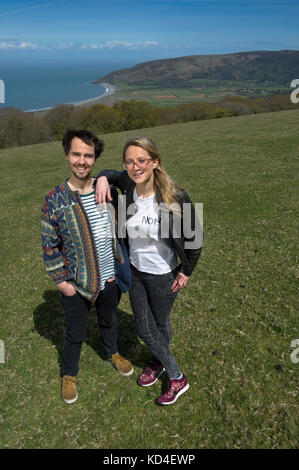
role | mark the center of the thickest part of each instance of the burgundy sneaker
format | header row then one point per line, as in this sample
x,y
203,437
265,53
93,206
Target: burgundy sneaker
x,y
176,387
150,375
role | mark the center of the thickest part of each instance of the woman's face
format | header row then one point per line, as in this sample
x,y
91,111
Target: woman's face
x,y
139,164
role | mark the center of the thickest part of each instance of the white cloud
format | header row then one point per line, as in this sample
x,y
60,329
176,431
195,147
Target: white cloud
x,y
122,45
28,45
63,45
16,44
19,45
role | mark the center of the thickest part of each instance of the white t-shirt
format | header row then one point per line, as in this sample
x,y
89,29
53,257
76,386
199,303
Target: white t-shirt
x,y
148,251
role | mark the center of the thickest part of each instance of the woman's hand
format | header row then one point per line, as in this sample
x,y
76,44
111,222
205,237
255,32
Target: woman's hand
x,y
103,190
179,282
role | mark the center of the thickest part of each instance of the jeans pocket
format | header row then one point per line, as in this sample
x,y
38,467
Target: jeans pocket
x,y
170,278
173,274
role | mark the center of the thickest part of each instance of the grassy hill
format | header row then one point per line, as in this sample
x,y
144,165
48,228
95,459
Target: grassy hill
x,y
205,78
276,67
232,326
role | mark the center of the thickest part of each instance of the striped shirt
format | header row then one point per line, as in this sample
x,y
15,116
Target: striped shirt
x,y
101,230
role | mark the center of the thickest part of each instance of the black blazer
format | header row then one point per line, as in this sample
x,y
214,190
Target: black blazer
x,y
180,238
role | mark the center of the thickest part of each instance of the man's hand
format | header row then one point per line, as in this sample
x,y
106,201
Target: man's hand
x,y
103,190
66,288
179,282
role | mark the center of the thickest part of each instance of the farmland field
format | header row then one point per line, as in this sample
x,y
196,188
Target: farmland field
x,y
209,91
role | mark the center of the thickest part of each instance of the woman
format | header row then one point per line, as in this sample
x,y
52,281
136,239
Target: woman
x,y
154,223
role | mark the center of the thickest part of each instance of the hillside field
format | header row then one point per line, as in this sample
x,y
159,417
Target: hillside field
x,y
205,78
205,91
232,326
164,96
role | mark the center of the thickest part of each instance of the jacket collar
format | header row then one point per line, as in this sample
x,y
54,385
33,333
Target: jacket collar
x,y
74,194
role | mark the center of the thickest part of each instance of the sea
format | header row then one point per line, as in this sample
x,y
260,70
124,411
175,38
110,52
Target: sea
x,y
32,86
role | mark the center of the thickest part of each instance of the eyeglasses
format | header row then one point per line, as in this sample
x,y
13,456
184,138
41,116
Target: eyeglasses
x,y
141,163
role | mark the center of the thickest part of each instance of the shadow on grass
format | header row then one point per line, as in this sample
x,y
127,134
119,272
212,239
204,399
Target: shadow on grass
x,y
49,321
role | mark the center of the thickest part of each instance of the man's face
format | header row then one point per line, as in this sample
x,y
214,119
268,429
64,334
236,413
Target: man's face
x,y
81,158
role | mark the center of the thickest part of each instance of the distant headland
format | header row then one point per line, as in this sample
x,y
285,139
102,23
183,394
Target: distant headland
x,y
257,66
205,78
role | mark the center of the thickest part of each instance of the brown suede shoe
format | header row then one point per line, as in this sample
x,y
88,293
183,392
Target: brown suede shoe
x,y
69,391
122,365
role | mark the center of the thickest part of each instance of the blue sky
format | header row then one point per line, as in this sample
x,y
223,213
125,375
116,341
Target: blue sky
x,y
141,30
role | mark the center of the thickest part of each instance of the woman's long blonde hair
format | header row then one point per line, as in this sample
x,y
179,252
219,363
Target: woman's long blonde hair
x,y
162,181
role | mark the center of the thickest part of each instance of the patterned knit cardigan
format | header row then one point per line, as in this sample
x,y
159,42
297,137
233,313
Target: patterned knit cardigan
x,y
69,250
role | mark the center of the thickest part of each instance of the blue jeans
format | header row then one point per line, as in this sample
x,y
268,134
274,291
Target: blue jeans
x,y
77,310
152,300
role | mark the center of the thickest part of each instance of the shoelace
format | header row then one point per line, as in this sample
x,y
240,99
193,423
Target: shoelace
x,y
70,379
117,358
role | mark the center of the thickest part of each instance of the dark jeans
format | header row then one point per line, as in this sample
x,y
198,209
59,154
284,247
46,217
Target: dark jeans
x,y
77,310
152,299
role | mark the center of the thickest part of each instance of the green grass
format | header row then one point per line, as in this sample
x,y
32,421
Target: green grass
x,y
171,96
232,326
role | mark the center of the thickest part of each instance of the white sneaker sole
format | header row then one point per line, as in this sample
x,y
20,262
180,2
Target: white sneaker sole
x,y
176,397
124,374
69,402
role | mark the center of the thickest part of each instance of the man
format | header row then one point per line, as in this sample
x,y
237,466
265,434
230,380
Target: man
x,y
81,253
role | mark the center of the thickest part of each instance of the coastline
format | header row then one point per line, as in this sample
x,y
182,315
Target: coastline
x,y
109,90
